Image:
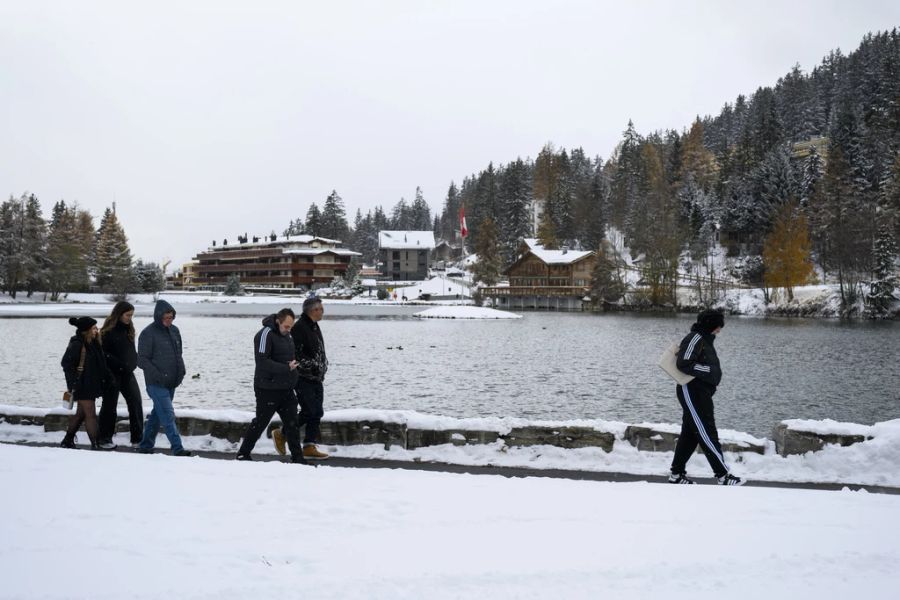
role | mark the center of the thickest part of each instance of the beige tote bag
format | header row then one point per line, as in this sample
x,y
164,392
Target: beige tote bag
x,y
667,363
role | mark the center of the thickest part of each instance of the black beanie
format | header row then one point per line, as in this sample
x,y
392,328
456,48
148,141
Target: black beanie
x,y
82,323
709,320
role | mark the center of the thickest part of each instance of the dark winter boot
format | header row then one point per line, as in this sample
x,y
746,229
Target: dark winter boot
x,y
68,442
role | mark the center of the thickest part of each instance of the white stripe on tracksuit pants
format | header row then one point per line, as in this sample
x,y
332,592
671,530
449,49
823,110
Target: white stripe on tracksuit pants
x,y
702,434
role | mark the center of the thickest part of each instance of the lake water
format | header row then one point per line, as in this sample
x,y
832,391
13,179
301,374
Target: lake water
x,y
544,366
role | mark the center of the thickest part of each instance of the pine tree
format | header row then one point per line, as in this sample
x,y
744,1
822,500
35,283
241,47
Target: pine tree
x,y
514,196
333,221
813,170
12,244
787,251
401,216
884,280
233,286
420,213
35,245
148,278
112,257
314,221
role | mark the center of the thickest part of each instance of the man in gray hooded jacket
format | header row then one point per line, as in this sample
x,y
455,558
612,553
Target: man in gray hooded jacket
x,y
159,356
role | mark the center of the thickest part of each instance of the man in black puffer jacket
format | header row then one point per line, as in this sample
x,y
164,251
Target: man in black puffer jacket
x,y
273,383
309,348
697,356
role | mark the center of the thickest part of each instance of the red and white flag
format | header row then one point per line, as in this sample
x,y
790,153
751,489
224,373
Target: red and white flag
x,y
463,230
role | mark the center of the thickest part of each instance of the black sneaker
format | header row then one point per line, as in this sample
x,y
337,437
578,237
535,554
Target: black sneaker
x,y
183,452
140,450
243,457
729,479
680,478
298,459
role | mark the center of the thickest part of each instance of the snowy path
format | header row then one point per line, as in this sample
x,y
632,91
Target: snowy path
x,y
508,471
159,527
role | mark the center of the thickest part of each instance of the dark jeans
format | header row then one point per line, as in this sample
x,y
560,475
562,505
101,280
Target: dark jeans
x,y
698,426
311,395
269,402
128,386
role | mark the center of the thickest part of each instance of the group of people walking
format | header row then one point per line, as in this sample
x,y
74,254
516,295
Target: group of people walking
x,y
100,363
290,369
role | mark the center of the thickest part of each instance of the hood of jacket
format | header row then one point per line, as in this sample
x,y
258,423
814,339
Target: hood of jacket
x,y
698,328
162,307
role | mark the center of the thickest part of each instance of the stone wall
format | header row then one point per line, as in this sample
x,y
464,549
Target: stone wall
x,y
388,434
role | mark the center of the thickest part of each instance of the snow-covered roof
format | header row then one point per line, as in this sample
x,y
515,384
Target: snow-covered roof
x,y
280,241
406,240
314,251
554,257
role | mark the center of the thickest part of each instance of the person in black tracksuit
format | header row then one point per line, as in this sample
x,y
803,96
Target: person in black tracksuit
x,y
273,383
86,378
697,356
117,338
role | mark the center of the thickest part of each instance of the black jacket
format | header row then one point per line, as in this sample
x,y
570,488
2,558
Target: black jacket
x,y
309,349
94,378
121,356
697,356
273,351
159,351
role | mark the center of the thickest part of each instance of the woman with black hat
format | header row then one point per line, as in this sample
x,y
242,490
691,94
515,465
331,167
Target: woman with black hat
x,y
86,377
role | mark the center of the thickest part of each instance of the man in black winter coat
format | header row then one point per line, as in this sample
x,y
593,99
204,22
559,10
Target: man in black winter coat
x,y
697,356
273,383
309,348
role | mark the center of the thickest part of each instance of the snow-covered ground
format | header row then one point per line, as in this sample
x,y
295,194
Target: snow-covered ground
x,y
873,462
106,525
465,312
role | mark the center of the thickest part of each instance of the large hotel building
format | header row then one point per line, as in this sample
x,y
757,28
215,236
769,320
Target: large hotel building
x,y
300,261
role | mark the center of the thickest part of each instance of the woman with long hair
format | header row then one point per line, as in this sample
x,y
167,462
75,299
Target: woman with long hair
x,y
86,377
117,339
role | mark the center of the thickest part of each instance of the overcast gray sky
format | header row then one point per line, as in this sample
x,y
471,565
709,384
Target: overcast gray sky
x,y
203,120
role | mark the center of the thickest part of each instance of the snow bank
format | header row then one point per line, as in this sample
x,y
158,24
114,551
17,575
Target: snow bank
x,y
872,462
225,529
465,312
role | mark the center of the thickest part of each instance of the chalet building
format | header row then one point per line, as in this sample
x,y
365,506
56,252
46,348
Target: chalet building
x,y
405,255
545,279
293,262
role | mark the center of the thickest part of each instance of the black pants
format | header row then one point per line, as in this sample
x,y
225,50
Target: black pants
x,y
311,395
128,386
698,426
269,402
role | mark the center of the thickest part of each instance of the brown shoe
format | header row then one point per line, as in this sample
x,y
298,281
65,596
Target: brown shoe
x,y
310,452
278,438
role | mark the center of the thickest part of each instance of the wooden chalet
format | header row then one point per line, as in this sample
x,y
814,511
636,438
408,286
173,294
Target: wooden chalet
x,y
545,279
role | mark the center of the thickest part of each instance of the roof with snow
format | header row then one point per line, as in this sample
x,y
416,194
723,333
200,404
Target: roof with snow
x,y
555,257
315,251
406,240
279,241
